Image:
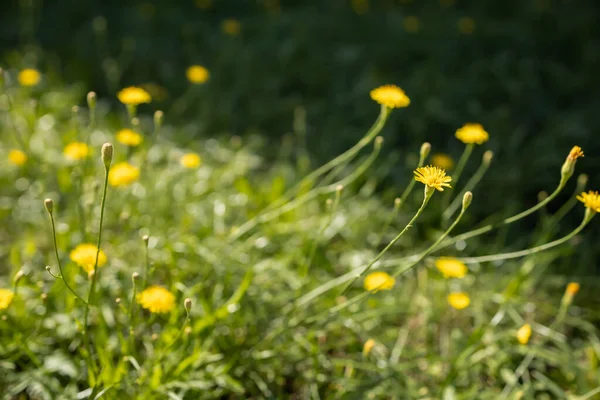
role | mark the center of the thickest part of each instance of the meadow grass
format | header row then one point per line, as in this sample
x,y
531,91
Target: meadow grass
x,y
135,265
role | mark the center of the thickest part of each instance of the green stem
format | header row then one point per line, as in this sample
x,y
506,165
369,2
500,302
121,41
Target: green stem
x,y
310,178
147,268
132,318
462,163
471,183
411,184
393,215
428,193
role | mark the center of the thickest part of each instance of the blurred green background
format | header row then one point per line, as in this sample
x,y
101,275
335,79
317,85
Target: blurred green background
x,y
527,70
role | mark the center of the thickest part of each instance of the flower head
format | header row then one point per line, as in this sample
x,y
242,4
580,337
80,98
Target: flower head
x,y
6,297
472,133
575,153
433,177
524,333
197,74
459,300
591,200
129,137
84,255
17,157
572,288
451,267
123,174
379,281
157,299
133,96
368,346
231,27
190,160
390,96
76,151
29,77
443,161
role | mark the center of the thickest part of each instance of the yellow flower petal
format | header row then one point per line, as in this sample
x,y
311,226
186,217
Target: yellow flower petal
x,y
433,177
451,267
390,96
123,174
84,255
156,299
379,281
472,133
524,333
459,300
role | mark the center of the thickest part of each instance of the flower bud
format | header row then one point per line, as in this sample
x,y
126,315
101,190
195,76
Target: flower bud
x,y
118,300
425,149
378,141
339,188
569,166
19,275
397,202
466,202
368,346
91,100
49,204
134,277
146,239
107,154
187,303
158,119
487,157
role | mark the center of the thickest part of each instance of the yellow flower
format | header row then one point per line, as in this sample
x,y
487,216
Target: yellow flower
x,y
575,153
451,267
379,281
572,288
197,74
591,200
6,297
368,346
472,133
231,27
17,157
459,300
466,25
190,160
433,177
443,161
411,24
133,96
123,174
76,151
29,77
84,255
129,137
524,333
390,96
156,299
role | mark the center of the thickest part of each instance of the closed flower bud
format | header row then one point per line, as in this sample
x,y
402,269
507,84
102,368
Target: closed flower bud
x,y
466,202
91,100
134,277
425,149
107,154
118,300
49,204
569,166
187,303
146,238
158,119
487,157
19,275
378,141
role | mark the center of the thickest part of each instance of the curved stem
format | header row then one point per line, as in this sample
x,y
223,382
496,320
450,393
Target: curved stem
x,y
393,215
411,184
309,179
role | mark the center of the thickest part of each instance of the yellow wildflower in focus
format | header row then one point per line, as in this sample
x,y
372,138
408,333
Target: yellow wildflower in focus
x,y
84,255
443,161
190,160
591,200
76,151
575,153
156,299
466,25
231,27
524,333
433,177
368,346
390,96
572,288
459,300
129,137
123,174
379,281
197,74
17,157
472,133
360,7
29,77
133,96
6,297
451,267
411,24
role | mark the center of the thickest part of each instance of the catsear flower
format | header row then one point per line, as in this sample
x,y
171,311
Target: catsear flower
x,y
129,137
6,297
123,174
591,200
190,160
379,281
156,299
459,300
134,95
451,267
76,151
29,77
390,96
433,177
197,74
472,133
84,255
17,157
524,333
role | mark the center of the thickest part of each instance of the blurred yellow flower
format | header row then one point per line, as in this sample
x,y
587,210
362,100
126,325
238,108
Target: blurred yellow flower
x,y
360,7
591,200
29,77
379,281
368,346
390,96
433,177
524,333
123,174
133,96
6,297
17,157
76,151
466,25
84,255
231,27
129,137
575,153
572,288
197,74
157,299
191,160
443,161
472,133
459,300
411,24
451,267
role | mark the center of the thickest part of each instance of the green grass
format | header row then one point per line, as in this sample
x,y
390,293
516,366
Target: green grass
x,y
269,317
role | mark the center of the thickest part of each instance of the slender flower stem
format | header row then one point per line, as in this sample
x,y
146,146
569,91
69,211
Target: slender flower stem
x,y
412,182
426,198
393,215
471,183
147,267
62,274
132,315
310,178
462,163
